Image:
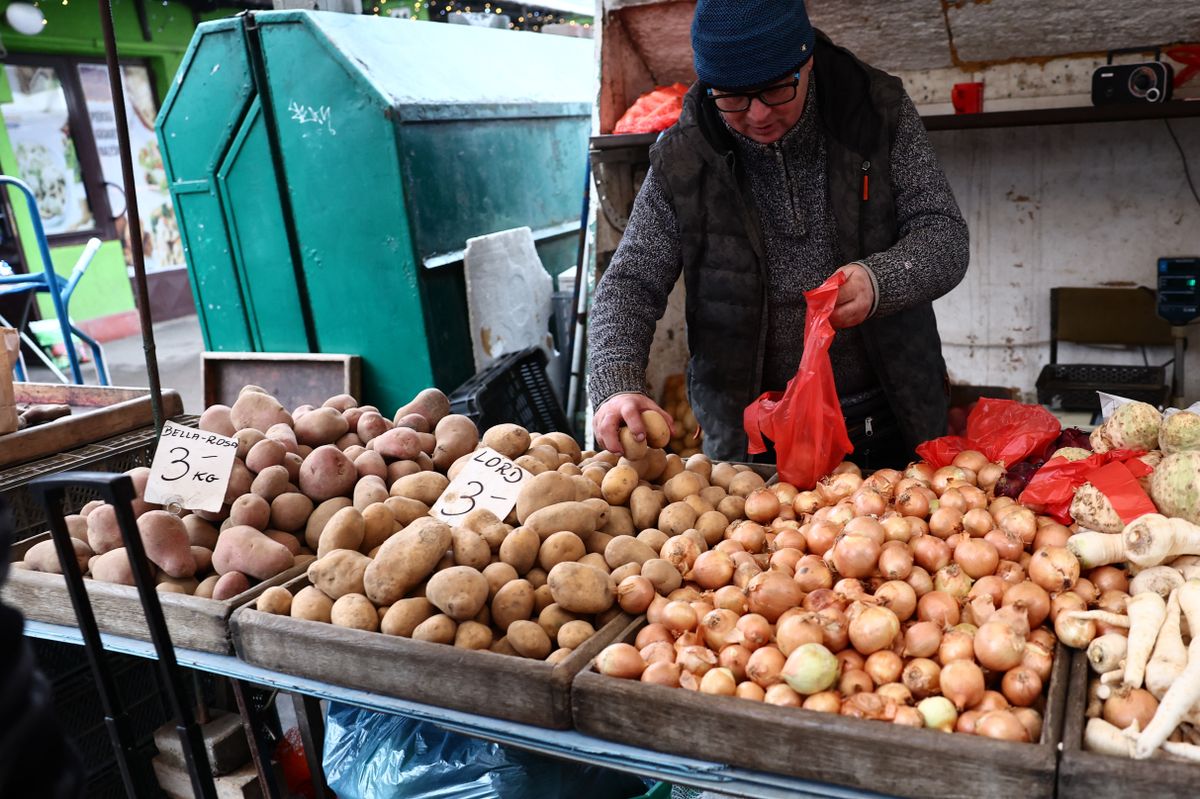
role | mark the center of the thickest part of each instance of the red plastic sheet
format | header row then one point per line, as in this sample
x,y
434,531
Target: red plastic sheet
x,y
1053,487
1006,432
805,421
654,111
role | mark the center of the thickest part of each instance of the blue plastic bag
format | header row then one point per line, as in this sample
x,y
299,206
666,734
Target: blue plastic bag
x,y
372,755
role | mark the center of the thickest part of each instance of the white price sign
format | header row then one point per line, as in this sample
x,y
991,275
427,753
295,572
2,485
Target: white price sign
x,y
489,481
191,468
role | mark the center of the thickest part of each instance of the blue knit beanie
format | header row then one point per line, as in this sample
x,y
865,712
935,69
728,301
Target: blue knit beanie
x,y
742,43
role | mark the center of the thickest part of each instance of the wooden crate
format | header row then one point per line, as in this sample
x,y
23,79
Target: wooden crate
x,y
97,412
294,378
865,755
487,683
194,622
1088,775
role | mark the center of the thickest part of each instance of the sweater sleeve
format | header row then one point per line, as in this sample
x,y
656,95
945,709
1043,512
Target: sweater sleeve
x,y
632,295
930,257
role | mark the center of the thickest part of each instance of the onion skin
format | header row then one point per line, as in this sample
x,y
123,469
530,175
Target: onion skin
x,y
657,651
696,659
854,682
651,633
620,660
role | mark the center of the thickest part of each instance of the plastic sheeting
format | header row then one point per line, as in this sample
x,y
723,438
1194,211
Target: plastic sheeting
x,y
371,755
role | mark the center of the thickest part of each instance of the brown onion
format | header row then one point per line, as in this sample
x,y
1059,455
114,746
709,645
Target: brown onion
x,y
898,597
978,522
854,556
812,574
635,593
945,522
755,631
895,562
1001,725
930,552
967,721
938,606
795,631
916,526
922,639
1010,572
681,552
920,581
662,673
657,651
762,505
989,475
1086,589
1038,659
789,538
1067,601
992,700
913,502
970,459
782,694
765,665
920,471
998,646
1051,535
961,682
620,660
751,691
978,557
855,681
1127,705
850,589
712,570
868,528
749,534
869,706
922,676
1031,720
1043,637
896,691
884,666
896,528
1054,568
1020,522
1031,598
679,617
1021,686
1007,545
953,499
868,502
823,702
820,536
696,659
730,547
953,580
807,502
991,586
702,607
720,629
956,645
908,717
771,593
849,660
874,628
839,514
730,597
718,682
1075,633
651,633
1109,578
654,613
823,598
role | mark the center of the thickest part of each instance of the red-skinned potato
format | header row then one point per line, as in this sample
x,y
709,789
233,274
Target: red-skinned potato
x,y
456,435
430,403
230,585
166,541
372,425
246,550
216,419
258,411
401,443
43,557
321,426
113,567
264,454
327,473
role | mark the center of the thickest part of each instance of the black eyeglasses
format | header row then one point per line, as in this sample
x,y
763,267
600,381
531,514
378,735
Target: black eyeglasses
x,y
779,94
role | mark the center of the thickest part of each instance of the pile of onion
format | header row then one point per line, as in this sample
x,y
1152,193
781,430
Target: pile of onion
x,y
916,597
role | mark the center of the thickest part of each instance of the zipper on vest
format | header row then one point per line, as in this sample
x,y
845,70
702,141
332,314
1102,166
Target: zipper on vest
x,y
866,181
866,167
869,425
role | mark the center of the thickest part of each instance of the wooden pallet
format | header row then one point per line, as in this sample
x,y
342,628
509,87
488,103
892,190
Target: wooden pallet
x,y
194,622
97,412
487,683
1088,775
865,755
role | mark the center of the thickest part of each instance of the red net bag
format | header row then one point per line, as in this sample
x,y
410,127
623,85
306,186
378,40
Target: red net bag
x,y
654,111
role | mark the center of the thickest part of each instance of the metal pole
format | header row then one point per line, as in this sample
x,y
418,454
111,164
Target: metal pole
x,y
131,211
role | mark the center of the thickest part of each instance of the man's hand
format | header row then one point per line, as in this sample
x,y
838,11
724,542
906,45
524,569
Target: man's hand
x,y
855,298
625,408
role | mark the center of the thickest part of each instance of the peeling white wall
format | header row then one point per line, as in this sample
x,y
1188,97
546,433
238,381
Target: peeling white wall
x,y
1065,205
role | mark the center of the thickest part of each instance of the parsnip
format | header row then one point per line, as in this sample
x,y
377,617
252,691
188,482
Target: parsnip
x,y
1162,580
1146,614
1183,751
1153,539
1184,693
1170,655
1094,549
1188,566
1114,619
1106,652
1104,738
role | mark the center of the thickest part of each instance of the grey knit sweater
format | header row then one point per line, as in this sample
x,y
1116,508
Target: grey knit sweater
x,y
788,182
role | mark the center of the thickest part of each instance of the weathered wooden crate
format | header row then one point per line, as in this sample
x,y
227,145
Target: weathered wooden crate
x,y
294,378
96,412
194,622
1088,775
501,686
866,755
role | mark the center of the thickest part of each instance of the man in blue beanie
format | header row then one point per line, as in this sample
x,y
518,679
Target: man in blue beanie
x,y
791,160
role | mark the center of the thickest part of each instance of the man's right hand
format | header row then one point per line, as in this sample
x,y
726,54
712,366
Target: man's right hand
x,y
625,410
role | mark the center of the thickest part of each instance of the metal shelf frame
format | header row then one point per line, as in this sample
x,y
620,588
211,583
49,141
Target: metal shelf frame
x,y
562,744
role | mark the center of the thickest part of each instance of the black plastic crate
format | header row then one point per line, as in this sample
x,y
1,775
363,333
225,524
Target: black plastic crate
x,y
1073,387
513,389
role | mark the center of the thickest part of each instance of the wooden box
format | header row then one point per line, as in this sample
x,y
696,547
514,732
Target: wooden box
x,y
1088,775
294,378
864,755
194,622
96,412
487,683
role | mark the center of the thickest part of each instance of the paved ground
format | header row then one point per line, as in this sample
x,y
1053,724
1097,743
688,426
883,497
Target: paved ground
x,y
178,346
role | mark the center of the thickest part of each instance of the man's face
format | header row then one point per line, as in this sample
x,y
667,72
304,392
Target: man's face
x,y
764,123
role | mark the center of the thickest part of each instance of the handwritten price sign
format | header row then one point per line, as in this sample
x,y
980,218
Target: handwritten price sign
x,y
489,481
191,468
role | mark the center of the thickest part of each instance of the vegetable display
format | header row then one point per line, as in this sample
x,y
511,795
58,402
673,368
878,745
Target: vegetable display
x,y
916,598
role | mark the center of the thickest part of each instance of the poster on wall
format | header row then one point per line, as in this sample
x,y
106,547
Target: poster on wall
x,y
161,242
37,123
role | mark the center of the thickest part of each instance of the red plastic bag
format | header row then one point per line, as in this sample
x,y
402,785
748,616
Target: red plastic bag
x,y
1053,487
805,421
654,111
1006,432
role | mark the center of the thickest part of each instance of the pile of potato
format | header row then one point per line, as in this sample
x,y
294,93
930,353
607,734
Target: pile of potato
x,y
689,438
536,584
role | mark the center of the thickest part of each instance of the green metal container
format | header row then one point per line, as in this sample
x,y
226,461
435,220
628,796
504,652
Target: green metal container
x,y
327,170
